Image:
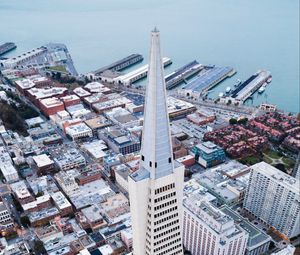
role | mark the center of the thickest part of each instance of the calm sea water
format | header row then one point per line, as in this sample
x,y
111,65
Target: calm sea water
x,y
248,35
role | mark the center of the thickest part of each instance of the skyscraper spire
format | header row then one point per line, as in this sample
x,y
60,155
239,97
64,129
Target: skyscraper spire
x,y
155,190
156,145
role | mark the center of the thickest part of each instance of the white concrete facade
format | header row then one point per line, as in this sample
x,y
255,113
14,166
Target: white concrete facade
x,y
9,172
156,189
274,197
207,230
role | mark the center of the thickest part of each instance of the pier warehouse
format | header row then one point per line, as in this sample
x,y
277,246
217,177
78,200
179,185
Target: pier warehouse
x,y
129,78
206,80
121,64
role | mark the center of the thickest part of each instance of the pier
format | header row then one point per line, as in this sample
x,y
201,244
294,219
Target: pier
x,y
129,78
121,64
178,76
6,47
206,80
250,86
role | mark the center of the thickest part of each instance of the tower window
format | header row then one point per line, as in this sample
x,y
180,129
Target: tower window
x,y
155,164
170,160
143,158
150,163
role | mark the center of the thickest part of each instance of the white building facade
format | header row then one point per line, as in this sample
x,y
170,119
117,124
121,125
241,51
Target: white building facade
x,y
9,172
274,197
155,190
209,231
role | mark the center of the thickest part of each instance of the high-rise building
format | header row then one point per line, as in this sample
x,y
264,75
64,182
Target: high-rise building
x,y
208,230
274,197
155,190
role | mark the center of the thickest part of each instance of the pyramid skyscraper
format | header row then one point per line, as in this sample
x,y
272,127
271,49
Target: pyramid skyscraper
x,y
155,190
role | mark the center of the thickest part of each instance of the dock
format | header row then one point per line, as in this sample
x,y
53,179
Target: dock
x,y
129,78
121,64
180,75
250,86
206,80
6,47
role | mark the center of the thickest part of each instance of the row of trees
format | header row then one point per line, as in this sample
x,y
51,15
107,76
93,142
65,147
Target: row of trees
x,y
13,115
242,121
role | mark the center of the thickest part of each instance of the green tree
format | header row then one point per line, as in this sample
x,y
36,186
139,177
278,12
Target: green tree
x,y
25,221
243,121
39,194
233,121
39,247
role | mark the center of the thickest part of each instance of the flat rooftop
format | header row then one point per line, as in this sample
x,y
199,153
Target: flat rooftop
x,y
126,78
278,176
206,79
42,160
256,236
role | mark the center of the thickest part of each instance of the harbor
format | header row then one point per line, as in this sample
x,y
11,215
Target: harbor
x,y
208,78
180,75
7,47
256,82
121,64
135,75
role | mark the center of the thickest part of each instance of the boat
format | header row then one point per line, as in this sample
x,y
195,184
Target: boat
x,y
261,90
269,79
238,82
228,89
221,94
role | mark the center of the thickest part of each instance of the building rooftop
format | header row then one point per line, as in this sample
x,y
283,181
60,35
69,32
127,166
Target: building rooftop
x,y
92,213
91,193
98,122
25,83
69,98
226,186
77,129
60,200
81,92
193,187
278,176
109,104
51,102
42,160
126,78
20,189
208,213
106,250
65,156
40,93
96,87
256,236
176,105
77,110
207,78
96,149
44,213
208,147
8,169
34,121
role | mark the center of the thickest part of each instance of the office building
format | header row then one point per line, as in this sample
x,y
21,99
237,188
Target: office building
x,y
6,222
155,190
208,230
9,172
209,154
258,241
